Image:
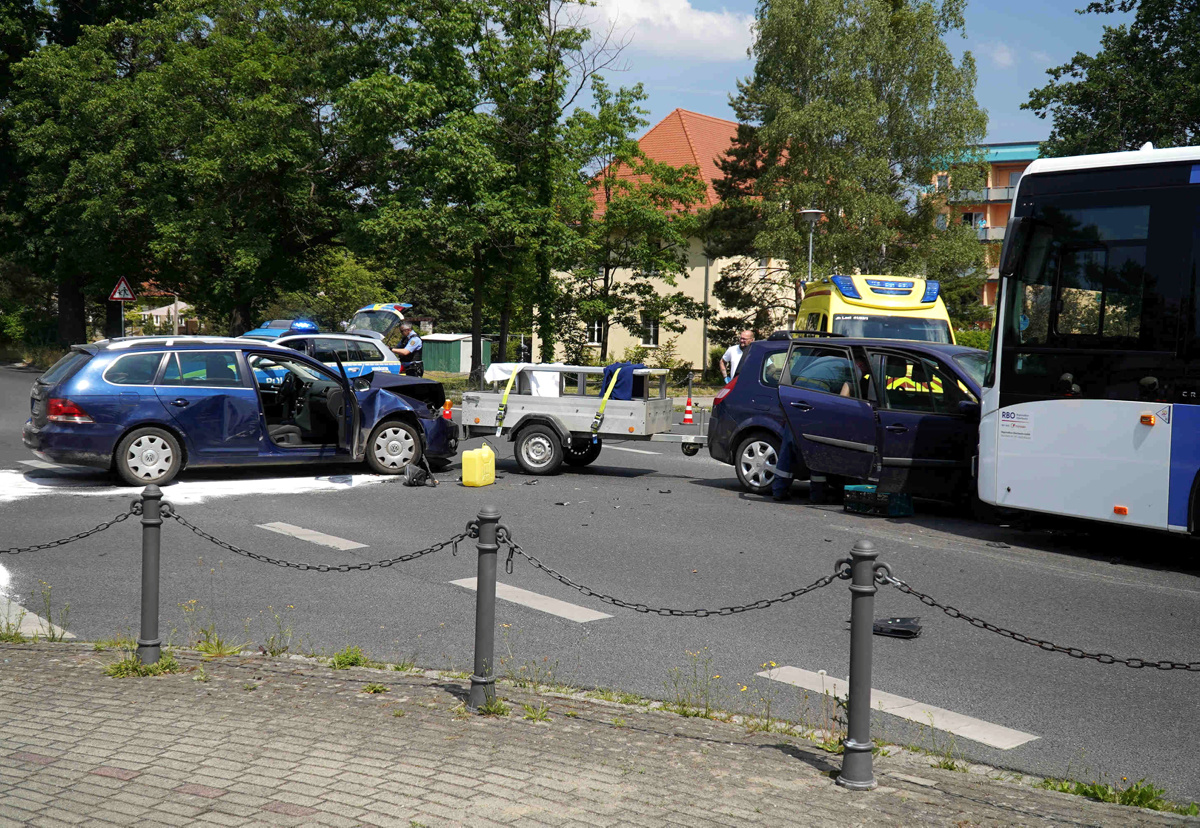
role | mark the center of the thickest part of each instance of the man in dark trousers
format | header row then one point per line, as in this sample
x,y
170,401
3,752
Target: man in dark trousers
x,y
410,351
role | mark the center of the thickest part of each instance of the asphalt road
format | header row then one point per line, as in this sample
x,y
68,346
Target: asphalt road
x,y
666,530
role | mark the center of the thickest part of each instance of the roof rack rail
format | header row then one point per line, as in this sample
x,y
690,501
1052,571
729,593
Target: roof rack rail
x,y
801,334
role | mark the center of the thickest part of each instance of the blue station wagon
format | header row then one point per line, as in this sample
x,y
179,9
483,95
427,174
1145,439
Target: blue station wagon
x,y
150,407
904,413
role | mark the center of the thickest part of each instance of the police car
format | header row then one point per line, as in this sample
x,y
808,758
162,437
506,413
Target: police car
x,y
359,353
272,329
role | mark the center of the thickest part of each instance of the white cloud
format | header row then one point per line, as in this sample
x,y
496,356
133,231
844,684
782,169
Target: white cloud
x,y
999,53
673,28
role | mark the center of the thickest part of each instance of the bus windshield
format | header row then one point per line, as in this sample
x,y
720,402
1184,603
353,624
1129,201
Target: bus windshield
x,y
891,327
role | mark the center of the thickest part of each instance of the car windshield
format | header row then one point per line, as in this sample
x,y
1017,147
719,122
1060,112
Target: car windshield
x,y
378,321
891,327
975,364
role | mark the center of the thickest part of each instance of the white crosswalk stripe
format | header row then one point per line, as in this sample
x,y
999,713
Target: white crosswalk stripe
x,y
968,727
543,603
312,536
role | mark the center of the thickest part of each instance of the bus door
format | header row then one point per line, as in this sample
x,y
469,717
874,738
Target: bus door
x,y
926,439
832,424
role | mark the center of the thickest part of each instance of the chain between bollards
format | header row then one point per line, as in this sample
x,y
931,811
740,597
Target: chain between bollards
x,y
483,689
857,773
149,644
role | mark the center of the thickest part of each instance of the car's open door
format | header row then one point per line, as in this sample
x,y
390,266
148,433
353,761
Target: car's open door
x,y
350,415
822,395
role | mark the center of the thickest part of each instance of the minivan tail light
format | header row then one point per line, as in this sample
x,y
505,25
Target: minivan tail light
x,y
724,392
65,411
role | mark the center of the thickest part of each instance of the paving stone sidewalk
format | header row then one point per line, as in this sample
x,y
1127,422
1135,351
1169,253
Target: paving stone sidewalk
x,y
292,742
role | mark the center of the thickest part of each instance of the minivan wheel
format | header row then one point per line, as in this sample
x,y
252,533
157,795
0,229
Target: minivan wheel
x,y
148,455
755,461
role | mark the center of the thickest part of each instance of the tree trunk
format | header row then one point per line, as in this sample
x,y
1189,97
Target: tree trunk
x,y
113,313
72,315
240,319
477,316
505,319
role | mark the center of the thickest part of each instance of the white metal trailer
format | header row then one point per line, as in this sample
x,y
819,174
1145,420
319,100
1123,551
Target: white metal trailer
x,y
572,426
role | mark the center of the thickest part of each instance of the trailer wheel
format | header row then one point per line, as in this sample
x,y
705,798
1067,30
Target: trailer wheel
x,y
581,451
690,449
539,450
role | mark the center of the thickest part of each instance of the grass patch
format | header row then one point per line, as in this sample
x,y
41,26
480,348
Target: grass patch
x,y
1139,794
132,667
494,706
117,642
541,713
375,688
10,630
214,646
407,665
352,656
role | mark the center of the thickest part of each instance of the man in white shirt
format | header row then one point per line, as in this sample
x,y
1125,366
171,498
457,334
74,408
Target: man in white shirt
x,y
733,355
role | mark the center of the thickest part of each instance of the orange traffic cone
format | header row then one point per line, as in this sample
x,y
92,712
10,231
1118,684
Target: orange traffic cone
x,y
687,413
446,415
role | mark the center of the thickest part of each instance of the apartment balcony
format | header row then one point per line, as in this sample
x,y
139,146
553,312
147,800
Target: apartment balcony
x,y
988,195
990,234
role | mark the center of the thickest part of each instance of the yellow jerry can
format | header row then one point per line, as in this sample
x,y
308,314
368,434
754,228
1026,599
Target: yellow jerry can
x,y
479,466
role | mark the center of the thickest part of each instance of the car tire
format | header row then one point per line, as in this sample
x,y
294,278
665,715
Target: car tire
x,y
539,450
392,446
581,451
754,460
148,455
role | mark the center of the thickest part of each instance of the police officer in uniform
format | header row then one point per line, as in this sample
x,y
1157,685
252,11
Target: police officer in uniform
x,y
410,351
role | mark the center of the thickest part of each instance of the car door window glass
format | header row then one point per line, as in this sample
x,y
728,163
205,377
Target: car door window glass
x,y
773,368
914,384
365,352
821,369
206,369
134,369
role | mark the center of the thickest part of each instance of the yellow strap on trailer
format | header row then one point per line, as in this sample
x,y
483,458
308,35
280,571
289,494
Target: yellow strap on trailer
x,y
603,403
504,401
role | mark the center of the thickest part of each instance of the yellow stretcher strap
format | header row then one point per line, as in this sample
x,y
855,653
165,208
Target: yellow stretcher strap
x,y
604,403
504,401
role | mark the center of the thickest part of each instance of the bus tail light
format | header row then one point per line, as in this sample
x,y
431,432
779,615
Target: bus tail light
x,y
65,411
1120,510
1148,419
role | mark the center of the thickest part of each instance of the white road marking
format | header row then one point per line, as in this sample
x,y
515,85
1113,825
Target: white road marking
x,y
55,467
15,485
544,603
27,623
976,730
312,536
635,451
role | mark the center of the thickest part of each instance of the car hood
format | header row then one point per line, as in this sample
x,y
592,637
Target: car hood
x,y
427,391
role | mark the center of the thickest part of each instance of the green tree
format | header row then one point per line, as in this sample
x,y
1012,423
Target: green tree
x,y
852,108
217,147
1143,85
637,227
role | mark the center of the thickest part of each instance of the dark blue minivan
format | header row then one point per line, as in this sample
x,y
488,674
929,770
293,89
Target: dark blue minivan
x,y
149,407
906,413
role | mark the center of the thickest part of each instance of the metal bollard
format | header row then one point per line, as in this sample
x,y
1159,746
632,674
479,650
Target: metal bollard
x,y
857,774
149,644
483,680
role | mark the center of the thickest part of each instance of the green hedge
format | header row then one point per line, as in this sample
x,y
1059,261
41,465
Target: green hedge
x,y
974,339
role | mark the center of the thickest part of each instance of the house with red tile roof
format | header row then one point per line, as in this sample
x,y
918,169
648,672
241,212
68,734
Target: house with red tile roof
x,y
682,138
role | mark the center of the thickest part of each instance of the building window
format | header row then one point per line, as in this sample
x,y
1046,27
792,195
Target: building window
x,y
649,331
595,332
943,181
941,221
1014,178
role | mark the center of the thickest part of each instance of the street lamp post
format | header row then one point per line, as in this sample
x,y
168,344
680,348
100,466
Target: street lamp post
x,y
811,217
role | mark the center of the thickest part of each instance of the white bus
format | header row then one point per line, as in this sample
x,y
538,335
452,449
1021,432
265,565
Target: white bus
x,y
1091,405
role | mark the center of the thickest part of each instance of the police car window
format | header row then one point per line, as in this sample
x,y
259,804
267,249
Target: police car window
x,y
207,369
331,350
821,369
364,352
295,344
773,368
134,369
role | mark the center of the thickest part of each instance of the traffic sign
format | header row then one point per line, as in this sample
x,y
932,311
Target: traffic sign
x,y
122,292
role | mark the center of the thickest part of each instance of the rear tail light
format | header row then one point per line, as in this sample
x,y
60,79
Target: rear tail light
x,y
724,392
65,411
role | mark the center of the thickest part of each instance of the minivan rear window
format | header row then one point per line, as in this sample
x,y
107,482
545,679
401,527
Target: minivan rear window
x,y
65,368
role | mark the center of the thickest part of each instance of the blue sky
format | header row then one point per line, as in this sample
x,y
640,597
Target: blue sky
x,y
691,53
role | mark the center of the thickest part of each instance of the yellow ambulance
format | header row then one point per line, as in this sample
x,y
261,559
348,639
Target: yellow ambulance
x,y
876,307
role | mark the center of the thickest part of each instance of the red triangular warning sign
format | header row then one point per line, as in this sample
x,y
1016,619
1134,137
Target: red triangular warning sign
x,y
122,292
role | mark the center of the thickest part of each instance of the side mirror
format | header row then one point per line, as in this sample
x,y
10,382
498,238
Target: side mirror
x,y
970,410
